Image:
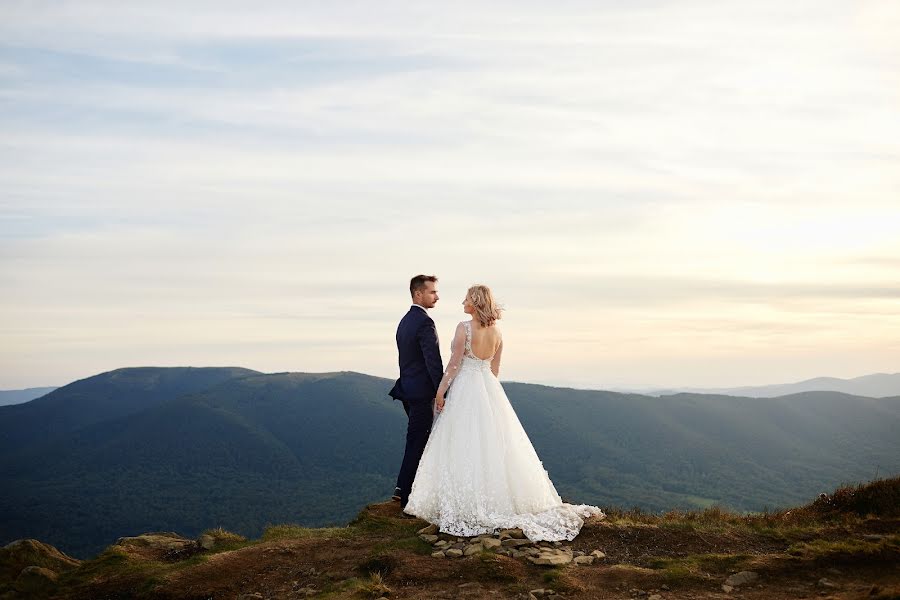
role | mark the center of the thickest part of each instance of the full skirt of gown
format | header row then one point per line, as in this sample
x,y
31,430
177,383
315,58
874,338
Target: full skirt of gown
x,y
479,471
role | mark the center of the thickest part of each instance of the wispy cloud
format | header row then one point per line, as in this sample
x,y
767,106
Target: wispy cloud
x,y
692,184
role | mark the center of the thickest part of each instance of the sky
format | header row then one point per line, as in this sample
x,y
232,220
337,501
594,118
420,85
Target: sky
x,y
692,193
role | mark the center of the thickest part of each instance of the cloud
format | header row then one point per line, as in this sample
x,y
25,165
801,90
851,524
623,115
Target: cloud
x,y
246,178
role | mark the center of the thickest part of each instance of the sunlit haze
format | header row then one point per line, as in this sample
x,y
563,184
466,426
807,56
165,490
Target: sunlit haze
x,y
699,193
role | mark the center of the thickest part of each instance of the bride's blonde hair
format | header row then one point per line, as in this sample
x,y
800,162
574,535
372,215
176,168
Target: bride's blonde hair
x,y
487,311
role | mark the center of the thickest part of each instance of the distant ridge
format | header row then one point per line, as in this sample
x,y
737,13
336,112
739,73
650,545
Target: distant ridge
x,y
8,397
878,385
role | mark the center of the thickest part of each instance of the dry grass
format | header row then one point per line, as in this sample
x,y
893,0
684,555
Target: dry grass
x,y
296,532
880,498
848,550
374,586
224,536
846,505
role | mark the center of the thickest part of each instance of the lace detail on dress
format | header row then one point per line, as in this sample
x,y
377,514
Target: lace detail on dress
x,y
468,326
457,354
466,511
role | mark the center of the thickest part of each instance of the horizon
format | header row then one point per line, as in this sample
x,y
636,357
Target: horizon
x,y
643,389
701,195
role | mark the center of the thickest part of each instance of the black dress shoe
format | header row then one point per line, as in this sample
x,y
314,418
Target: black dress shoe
x,y
396,496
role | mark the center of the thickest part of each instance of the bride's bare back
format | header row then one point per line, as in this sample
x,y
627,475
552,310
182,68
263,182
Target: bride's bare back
x,y
485,340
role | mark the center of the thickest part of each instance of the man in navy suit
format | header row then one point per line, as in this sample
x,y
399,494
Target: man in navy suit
x,y
421,370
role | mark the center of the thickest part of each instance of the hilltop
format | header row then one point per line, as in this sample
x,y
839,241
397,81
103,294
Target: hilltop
x,y
844,545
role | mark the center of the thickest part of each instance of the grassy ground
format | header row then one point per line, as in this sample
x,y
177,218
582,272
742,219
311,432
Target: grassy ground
x,y
842,545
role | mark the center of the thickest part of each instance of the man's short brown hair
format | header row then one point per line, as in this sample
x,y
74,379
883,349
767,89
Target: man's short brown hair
x,y
418,282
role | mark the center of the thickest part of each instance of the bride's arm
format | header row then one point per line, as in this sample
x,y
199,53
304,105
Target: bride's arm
x,y
457,349
495,364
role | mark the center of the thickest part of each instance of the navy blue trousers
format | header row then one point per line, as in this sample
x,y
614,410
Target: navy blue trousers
x,y
420,417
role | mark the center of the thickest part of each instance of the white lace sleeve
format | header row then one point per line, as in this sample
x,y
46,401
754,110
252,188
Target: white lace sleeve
x,y
457,350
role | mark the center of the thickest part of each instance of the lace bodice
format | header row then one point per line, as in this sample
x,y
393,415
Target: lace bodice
x,y
461,356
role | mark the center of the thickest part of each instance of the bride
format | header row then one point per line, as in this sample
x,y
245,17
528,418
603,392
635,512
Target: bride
x,y
479,471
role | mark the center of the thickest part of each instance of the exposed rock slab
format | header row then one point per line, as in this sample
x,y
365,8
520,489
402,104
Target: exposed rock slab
x,y
741,578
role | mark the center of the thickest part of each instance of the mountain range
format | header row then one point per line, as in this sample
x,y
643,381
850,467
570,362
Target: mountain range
x,y
186,449
877,385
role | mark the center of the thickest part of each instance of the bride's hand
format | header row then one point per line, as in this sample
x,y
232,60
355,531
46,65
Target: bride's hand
x,y
439,403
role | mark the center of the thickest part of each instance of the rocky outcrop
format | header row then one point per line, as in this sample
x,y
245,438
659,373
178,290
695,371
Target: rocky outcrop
x,y
509,542
157,545
29,568
19,554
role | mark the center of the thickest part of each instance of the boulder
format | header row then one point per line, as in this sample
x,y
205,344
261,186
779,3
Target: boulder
x,y
514,533
491,543
552,557
473,549
741,578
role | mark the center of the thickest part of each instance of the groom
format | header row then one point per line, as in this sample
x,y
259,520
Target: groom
x,y
421,370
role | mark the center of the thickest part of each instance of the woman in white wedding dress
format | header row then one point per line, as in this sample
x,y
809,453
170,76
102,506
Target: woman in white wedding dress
x,y
479,471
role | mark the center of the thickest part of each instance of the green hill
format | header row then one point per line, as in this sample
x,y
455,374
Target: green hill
x,y
694,450
190,449
101,398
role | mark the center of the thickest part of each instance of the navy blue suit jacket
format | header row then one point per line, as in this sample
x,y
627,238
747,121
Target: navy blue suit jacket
x,y
421,368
